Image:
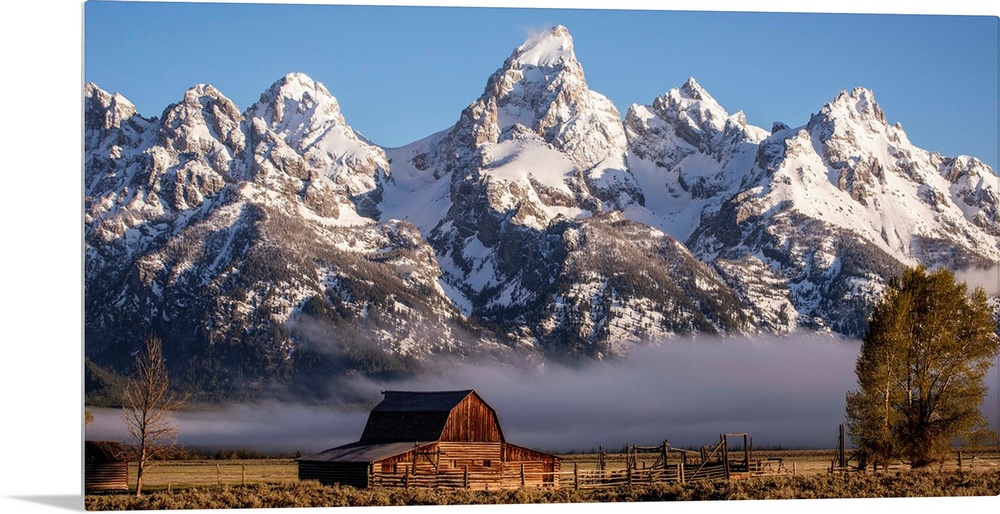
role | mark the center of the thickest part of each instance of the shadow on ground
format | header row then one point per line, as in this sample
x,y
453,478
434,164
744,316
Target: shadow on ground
x,y
62,501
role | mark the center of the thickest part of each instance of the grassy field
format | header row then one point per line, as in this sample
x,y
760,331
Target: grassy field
x,y
312,494
261,483
189,474
186,474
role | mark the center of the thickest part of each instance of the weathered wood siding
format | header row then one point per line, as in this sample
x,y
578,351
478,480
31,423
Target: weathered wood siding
x,y
425,458
329,473
105,476
540,468
475,456
472,420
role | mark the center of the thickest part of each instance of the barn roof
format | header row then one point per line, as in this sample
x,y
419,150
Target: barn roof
x,y
361,452
104,451
407,416
421,401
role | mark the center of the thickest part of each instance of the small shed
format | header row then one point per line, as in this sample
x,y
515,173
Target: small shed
x,y
434,439
105,466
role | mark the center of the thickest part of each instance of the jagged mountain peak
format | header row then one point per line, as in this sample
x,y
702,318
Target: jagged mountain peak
x,y
857,104
540,77
548,49
692,90
539,100
317,147
111,109
297,104
297,86
695,106
204,119
205,95
205,104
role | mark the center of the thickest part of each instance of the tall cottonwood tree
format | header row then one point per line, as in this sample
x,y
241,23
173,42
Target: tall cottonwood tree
x,y
148,402
921,369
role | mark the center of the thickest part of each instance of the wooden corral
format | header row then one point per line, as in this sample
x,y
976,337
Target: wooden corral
x,y
105,466
433,439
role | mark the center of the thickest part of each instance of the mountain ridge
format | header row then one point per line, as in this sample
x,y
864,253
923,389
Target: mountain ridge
x,y
276,244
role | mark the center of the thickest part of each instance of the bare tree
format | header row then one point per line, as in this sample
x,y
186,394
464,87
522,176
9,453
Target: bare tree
x,y
147,404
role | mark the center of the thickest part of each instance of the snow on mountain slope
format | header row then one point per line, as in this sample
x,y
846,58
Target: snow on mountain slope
x,y
537,159
308,119
537,145
237,239
539,98
850,169
836,207
687,152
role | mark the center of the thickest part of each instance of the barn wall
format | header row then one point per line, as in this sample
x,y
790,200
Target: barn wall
x,y
329,473
477,456
472,420
105,476
537,465
425,457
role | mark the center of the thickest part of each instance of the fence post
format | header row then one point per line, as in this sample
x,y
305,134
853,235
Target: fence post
x,y
725,454
218,474
465,476
522,474
841,448
576,477
959,460
243,472
680,471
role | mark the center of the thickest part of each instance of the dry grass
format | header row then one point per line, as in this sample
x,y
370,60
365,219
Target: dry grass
x,y
312,494
185,474
210,484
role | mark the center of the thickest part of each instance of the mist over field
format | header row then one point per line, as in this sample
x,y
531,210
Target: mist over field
x,y
784,391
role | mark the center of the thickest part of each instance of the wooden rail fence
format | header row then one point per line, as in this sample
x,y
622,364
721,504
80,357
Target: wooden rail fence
x,y
575,478
712,462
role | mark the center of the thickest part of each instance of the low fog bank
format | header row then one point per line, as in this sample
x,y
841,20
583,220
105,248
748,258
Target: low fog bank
x,y
784,391
265,427
987,278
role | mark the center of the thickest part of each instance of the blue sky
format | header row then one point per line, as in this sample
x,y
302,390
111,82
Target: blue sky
x,y
402,73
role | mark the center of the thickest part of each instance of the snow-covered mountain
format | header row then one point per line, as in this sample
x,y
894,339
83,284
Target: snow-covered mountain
x,y
519,186
686,152
237,238
274,245
808,223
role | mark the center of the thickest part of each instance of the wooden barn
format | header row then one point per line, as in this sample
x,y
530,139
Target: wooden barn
x,y
105,466
432,439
